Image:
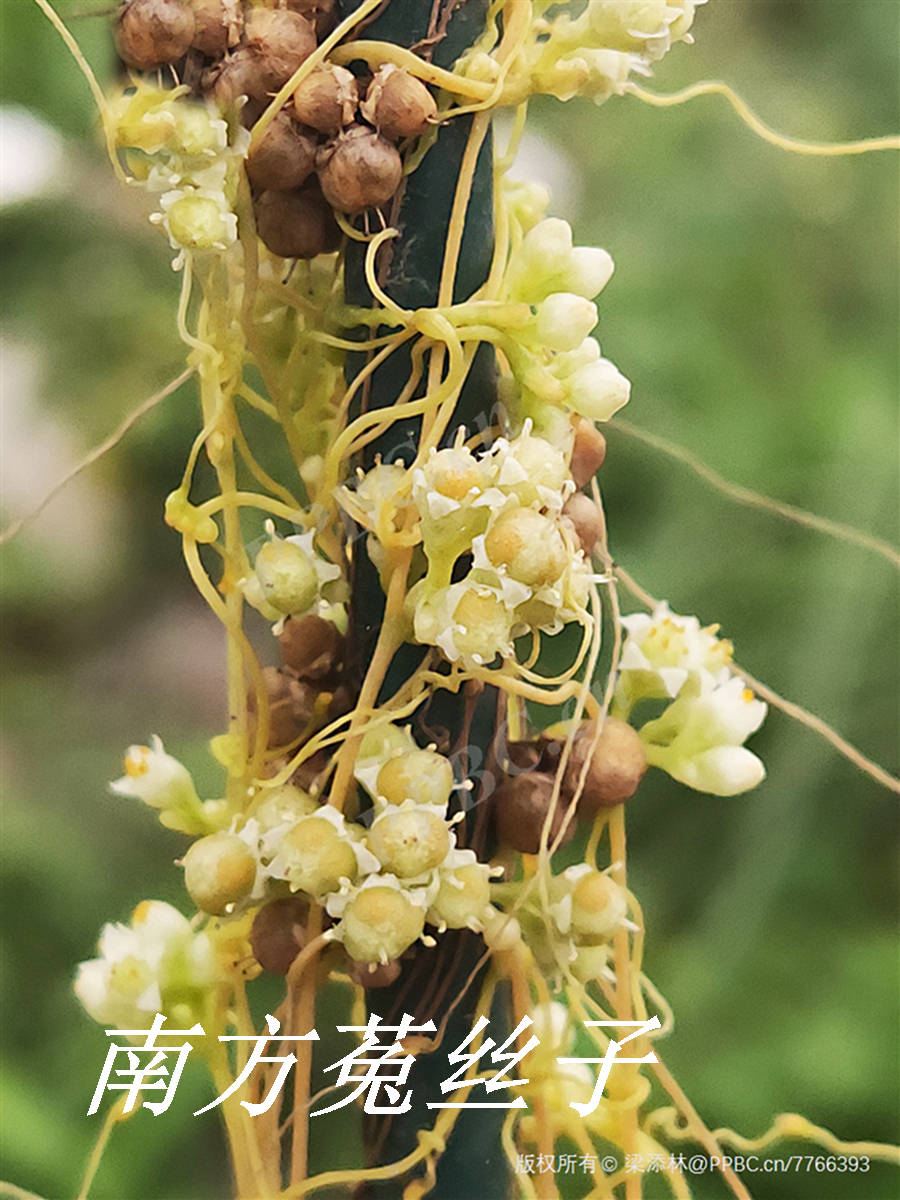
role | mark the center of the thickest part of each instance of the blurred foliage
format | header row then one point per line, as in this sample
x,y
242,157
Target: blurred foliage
x,y
755,308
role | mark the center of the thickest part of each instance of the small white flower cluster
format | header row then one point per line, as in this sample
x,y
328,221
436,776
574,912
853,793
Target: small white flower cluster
x,y
592,55
698,739
181,149
291,579
162,782
502,509
157,963
555,363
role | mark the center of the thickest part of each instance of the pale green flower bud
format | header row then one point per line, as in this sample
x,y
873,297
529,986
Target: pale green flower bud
x,y
590,270
281,805
528,202
528,544
315,857
380,922
423,776
598,906
219,870
287,577
597,390
463,896
199,223
409,841
564,320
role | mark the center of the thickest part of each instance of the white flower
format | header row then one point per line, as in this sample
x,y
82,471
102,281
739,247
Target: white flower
x,y
154,964
698,739
564,320
546,262
661,651
156,778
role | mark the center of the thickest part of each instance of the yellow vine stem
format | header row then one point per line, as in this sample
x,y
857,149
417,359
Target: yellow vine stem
x,y
376,54
788,707
715,87
91,79
744,495
98,452
112,1118
14,1192
794,1125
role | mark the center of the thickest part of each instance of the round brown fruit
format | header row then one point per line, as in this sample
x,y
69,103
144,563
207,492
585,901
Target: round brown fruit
x,y
150,33
294,224
282,39
360,170
588,451
284,158
277,934
217,26
520,810
617,766
398,104
311,646
327,99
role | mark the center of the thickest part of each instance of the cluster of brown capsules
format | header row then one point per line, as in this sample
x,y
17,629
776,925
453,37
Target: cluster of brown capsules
x,y
333,146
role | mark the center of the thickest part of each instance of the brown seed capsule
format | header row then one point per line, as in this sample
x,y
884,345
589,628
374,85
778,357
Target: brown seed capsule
x,y
374,975
311,646
278,933
360,170
585,519
152,32
307,774
588,452
282,40
291,704
616,768
321,14
326,100
238,76
520,808
217,26
284,157
523,756
295,224
398,104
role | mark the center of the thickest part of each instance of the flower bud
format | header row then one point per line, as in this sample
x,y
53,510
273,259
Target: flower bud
x,y
284,158
375,975
586,520
287,576
589,271
295,224
217,26
198,223
481,626
598,905
528,544
379,923
278,933
462,898
398,104
617,765
564,320
501,932
150,33
316,856
591,962
281,805
422,776
311,646
282,39
409,841
327,99
588,451
219,870
360,170
597,390
520,810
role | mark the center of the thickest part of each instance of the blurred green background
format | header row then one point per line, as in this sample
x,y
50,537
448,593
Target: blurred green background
x,y
755,308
